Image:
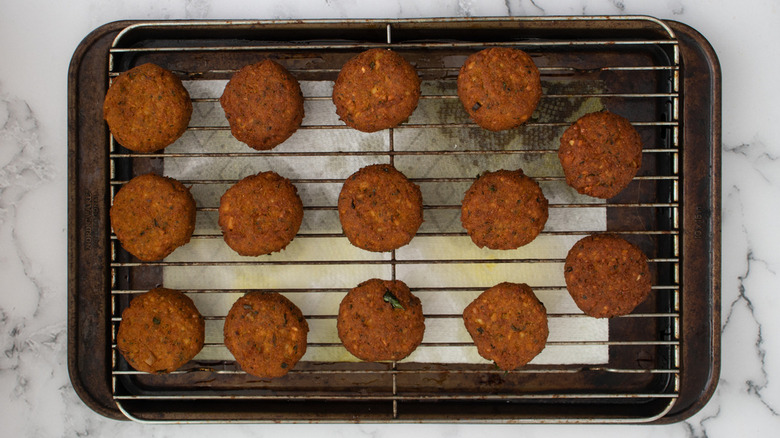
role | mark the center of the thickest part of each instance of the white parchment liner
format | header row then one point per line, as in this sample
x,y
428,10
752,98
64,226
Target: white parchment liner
x,y
567,325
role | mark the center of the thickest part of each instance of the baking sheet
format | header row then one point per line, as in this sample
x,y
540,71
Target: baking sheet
x,y
661,368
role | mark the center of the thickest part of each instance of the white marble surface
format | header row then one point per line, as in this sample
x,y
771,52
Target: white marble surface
x,y
37,39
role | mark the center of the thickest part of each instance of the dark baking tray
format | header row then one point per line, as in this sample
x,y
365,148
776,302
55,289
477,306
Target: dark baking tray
x,y
479,395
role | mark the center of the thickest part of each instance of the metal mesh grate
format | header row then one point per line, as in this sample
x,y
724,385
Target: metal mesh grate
x,y
632,358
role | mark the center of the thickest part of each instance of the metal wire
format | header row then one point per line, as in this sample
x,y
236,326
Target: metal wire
x,y
665,205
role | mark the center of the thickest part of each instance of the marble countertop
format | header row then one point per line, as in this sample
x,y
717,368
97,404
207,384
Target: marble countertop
x,y
37,39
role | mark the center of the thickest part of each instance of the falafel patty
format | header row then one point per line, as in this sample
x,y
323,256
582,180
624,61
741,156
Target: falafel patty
x,y
147,108
260,214
499,87
375,90
379,208
153,215
606,275
160,331
508,324
504,210
380,320
266,333
600,154
263,104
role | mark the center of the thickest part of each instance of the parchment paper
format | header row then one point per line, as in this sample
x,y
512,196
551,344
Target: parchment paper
x,y
447,327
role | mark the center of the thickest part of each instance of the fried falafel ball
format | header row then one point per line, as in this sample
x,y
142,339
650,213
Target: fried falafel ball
x,y
260,214
379,208
147,108
263,104
508,324
600,154
160,331
375,90
499,87
504,210
380,320
153,215
606,275
266,333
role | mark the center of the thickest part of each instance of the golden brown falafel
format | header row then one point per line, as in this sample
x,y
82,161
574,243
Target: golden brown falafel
x,y
600,154
379,208
499,87
260,214
263,104
375,90
153,215
508,325
381,320
160,331
266,333
606,275
504,210
147,108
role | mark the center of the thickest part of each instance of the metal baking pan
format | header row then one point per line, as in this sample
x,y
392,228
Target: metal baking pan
x,y
658,365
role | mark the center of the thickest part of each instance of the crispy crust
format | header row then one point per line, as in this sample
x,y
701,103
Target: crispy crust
x,y
606,275
147,108
600,154
499,87
263,104
160,331
373,329
153,215
266,333
379,208
504,210
508,325
375,90
260,214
